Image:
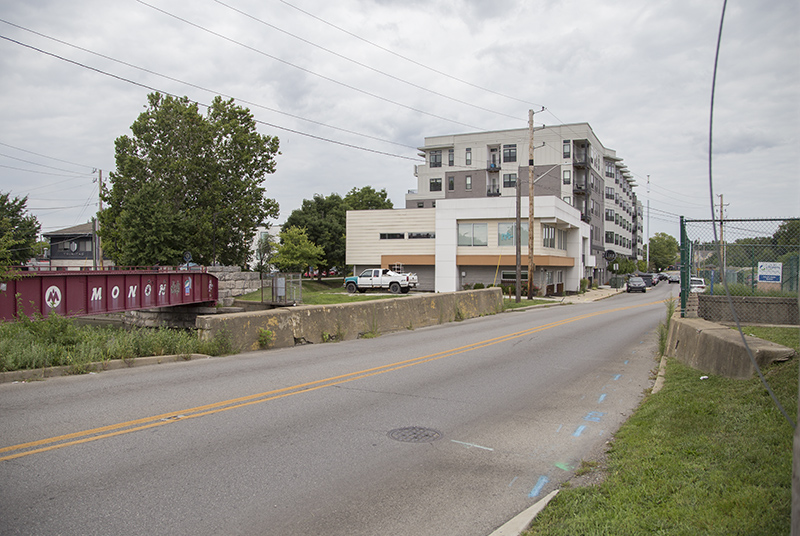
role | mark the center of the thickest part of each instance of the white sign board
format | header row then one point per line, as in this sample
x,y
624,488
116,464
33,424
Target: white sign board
x,y
769,272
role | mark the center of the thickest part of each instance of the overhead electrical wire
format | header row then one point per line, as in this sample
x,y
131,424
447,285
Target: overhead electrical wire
x,y
150,88
202,88
364,65
419,64
309,71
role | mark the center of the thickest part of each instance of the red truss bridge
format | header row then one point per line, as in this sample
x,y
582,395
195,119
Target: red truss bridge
x,y
78,293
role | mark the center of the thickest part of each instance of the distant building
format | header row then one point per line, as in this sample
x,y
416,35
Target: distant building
x,y
570,163
74,248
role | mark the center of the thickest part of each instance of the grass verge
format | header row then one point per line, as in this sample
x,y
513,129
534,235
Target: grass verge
x,y
57,341
510,303
326,292
709,456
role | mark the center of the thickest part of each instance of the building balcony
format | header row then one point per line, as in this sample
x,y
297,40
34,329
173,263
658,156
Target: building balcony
x,y
493,192
493,167
586,217
579,188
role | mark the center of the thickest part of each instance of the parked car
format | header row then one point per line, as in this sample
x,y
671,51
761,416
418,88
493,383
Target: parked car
x,y
663,276
648,279
697,284
674,278
636,284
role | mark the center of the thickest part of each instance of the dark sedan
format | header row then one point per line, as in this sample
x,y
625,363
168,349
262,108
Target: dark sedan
x,y
636,284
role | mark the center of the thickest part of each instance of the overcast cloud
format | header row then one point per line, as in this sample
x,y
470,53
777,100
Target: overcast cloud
x,y
639,72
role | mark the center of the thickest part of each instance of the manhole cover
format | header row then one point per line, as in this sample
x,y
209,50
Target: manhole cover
x,y
415,434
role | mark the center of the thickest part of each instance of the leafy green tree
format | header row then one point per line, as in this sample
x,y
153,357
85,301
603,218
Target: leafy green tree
x,y
296,252
624,266
18,230
324,220
265,251
185,181
367,198
663,251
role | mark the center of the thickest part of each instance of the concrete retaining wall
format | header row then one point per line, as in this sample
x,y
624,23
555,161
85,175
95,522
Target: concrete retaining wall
x,y
749,309
325,323
719,350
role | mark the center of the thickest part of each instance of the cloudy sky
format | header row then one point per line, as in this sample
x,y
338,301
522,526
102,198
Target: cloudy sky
x,y
352,87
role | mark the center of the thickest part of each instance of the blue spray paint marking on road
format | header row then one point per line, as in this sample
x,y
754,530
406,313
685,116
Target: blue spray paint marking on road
x,y
602,397
579,430
618,376
537,489
627,361
512,482
560,426
593,416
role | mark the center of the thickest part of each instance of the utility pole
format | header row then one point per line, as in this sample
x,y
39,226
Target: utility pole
x,y
721,236
648,223
99,245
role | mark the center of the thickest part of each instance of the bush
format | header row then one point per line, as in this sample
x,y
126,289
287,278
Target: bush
x,y
477,286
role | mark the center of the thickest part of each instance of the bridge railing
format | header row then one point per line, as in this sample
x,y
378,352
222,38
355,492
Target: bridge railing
x,y
89,292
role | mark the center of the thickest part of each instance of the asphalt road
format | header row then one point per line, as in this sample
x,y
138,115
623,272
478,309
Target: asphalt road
x,y
446,430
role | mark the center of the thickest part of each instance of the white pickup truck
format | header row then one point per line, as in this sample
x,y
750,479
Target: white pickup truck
x,y
381,278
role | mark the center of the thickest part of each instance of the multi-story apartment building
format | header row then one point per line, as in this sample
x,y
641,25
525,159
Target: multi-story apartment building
x,y
570,163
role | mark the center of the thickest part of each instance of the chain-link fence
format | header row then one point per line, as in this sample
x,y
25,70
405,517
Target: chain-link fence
x,y
758,259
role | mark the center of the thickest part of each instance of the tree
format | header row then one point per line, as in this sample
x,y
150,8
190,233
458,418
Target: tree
x,y
18,230
367,198
663,251
296,252
188,182
324,220
265,251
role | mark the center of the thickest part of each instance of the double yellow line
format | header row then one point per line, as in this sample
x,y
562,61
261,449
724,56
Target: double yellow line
x,y
112,430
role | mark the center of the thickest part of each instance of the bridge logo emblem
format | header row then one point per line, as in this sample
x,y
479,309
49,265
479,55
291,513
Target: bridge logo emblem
x,y
52,296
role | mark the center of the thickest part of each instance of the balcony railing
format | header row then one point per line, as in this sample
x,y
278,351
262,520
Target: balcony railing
x,y
586,217
493,192
492,166
579,187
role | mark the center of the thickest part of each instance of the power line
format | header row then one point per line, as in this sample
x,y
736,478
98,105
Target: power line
x,y
38,154
35,163
329,79
364,65
202,88
150,88
406,58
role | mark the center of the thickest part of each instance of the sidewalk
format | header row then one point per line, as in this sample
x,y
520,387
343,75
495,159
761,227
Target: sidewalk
x,y
599,293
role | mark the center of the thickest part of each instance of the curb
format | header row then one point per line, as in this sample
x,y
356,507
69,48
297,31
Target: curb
x,y
522,521
101,366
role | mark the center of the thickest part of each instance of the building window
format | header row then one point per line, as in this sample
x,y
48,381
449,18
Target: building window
x,y
508,275
392,236
451,183
436,158
548,236
505,234
451,157
567,176
509,180
468,156
567,145
436,185
468,182
568,200
562,239
412,236
609,192
420,204
609,214
510,153
609,237
473,234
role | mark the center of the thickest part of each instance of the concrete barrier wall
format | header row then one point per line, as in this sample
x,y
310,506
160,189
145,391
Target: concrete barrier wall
x,y
719,350
749,309
325,323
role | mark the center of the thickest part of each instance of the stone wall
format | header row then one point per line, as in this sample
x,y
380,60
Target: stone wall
x,y
323,323
749,309
233,282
